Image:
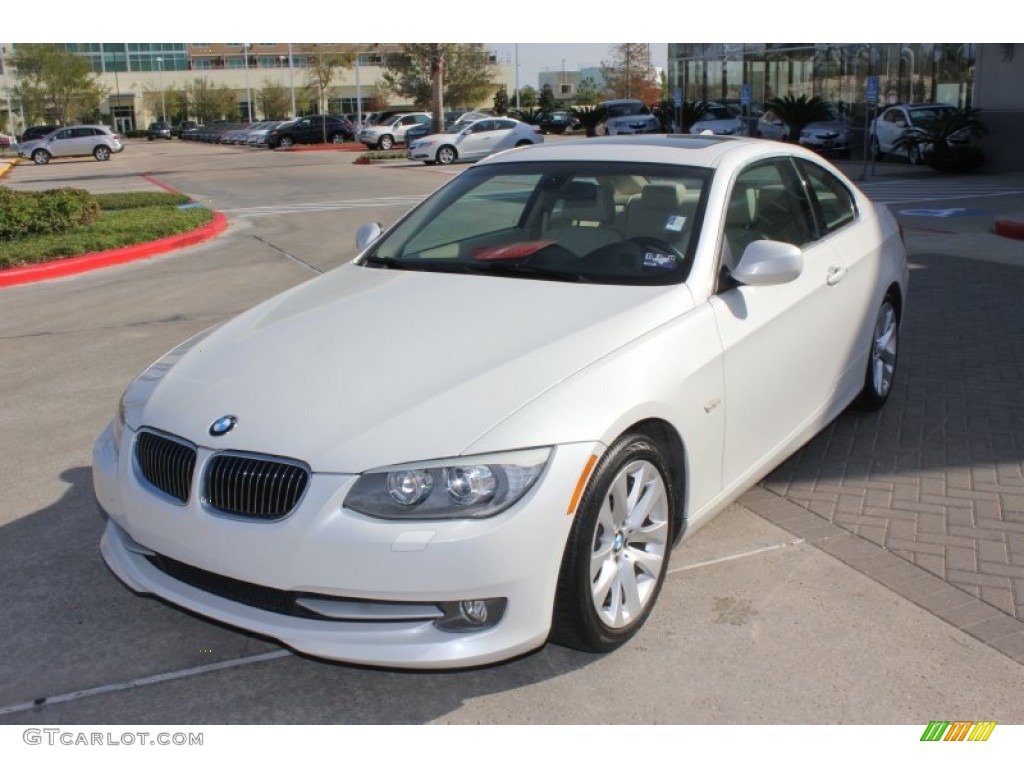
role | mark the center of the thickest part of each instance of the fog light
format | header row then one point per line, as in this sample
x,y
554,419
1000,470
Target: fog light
x,y
471,615
474,611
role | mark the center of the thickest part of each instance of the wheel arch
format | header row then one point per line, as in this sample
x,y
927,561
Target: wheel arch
x,y
666,436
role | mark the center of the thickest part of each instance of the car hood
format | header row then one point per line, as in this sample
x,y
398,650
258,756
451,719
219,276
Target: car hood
x,y
368,367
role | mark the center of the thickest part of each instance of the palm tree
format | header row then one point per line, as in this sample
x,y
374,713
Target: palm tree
x,y
589,117
798,112
945,143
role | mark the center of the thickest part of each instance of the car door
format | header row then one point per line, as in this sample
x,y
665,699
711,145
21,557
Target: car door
x,y
62,143
504,135
781,353
891,126
477,140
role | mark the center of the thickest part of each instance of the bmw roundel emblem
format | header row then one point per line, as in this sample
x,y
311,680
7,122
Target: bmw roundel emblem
x,y
223,425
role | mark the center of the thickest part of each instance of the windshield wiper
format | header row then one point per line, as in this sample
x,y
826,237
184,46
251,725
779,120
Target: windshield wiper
x,y
416,265
526,270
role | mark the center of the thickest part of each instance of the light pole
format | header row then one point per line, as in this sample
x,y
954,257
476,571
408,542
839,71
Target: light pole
x,y
248,91
291,77
163,96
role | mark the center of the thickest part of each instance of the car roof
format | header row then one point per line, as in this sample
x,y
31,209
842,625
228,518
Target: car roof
x,y
622,101
679,149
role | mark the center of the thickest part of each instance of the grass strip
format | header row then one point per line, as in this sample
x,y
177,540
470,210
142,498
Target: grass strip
x,y
114,229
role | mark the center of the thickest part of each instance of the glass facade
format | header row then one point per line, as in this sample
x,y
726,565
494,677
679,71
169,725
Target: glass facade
x,y
837,73
133,57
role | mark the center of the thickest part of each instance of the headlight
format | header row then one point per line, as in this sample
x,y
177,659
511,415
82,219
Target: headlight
x,y
469,487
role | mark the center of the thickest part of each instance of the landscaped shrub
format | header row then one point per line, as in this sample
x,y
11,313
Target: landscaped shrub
x,y
37,213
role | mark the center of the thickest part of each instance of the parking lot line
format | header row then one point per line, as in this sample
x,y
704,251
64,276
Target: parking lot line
x,y
163,677
737,556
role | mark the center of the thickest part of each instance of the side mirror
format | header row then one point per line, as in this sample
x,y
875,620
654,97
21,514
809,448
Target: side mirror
x,y
367,233
768,262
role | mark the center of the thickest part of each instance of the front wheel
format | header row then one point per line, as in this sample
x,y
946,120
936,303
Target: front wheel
x,y
40,157
881,370
617,553
286,142
876,150
101,153
914,153
386,142
337,138
446,155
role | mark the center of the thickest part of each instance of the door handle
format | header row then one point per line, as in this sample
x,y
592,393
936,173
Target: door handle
x,y
835,274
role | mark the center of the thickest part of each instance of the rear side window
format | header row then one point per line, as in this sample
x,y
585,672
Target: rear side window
x,y
835,202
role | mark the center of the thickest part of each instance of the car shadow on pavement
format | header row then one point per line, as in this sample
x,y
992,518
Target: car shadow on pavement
x,y
71,626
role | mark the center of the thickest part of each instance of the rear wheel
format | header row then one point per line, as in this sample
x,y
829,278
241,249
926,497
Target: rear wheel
x,y
286,142
40,157
337,138
101,153
386,142
876,150
446,155
617,553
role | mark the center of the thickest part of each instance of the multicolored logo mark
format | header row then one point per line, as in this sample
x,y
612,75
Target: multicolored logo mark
x,y
958,730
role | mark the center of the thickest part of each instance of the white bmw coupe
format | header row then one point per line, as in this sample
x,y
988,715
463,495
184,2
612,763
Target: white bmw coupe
x,y
490,429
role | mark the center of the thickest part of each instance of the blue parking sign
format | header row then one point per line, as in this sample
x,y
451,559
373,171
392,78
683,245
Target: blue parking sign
x,y
679,97
871,95
745,94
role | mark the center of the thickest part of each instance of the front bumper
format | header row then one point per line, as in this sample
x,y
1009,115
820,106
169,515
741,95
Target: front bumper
x,y
326,550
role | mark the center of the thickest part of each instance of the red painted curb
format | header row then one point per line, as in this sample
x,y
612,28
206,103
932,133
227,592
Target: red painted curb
x,y
1008,228
90,261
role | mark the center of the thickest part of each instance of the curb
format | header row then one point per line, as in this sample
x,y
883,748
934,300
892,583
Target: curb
x,y
1009,228
91,261
350,147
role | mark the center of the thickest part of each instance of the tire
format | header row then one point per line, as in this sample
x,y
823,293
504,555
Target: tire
x,y
882,355
386,142
620,541
286,142
101,153
40,157
523,143
876,151
337,138
914,156
446,155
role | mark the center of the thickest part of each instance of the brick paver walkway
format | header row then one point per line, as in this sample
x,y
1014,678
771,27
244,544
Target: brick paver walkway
x,y
937,476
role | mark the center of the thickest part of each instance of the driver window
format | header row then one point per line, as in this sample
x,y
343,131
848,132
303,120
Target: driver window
x,y
765,204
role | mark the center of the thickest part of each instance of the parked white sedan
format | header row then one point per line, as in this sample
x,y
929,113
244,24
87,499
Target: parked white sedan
x,y
473,141
490,429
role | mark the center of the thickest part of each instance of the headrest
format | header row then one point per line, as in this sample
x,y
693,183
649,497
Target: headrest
x,y
587,202
669,196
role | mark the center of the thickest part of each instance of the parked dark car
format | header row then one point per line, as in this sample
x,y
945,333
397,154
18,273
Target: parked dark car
x,y
554,122
37,132
187,128
158,130
314,129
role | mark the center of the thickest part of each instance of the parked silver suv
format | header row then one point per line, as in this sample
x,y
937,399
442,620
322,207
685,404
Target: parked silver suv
x,y
73,141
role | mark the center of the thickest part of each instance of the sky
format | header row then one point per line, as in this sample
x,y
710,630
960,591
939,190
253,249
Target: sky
x,y
535,58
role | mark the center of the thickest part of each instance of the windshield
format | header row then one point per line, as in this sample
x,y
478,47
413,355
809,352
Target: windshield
x,y
600,222
627,109
717,113
931,114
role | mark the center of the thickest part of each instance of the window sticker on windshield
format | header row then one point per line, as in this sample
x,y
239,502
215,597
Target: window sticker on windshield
x,y
675,223
661,260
